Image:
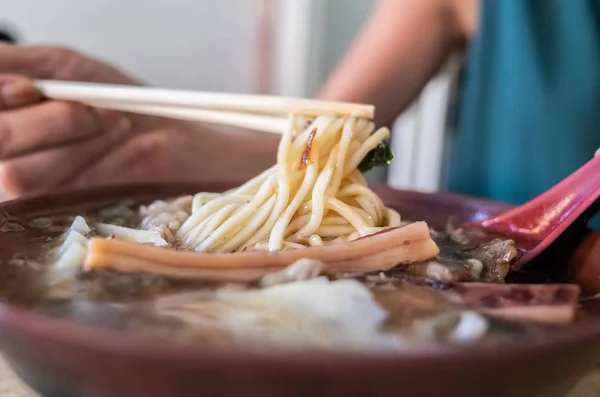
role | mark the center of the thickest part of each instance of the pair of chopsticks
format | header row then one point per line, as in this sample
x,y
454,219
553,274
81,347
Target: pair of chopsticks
x,y
256,112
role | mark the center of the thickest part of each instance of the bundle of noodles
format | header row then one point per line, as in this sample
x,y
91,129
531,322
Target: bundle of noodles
x,y
314,199
314,196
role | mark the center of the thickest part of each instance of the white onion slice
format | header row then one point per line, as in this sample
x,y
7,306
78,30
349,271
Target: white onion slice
x,y
72,259
132,235
80,226
73,237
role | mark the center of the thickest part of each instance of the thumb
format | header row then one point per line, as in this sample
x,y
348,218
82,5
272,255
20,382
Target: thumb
x,y
17,91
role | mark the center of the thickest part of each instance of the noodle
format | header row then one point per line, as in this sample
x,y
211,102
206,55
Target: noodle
x,y
314,196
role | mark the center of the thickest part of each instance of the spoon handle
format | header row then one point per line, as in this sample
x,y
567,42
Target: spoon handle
x,y
553,211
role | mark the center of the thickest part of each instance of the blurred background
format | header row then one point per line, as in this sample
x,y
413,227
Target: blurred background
x,y
284,47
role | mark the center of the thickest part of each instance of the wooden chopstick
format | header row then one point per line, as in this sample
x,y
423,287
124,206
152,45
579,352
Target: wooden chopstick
x,y
264,104
255,122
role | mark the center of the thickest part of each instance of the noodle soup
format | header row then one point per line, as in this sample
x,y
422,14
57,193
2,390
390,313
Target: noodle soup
x,y
305,304
304,254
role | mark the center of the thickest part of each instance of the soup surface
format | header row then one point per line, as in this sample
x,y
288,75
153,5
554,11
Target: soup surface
x,y
459,297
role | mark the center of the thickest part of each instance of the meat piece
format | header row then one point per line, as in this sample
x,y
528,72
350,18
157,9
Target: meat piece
x,y
534,303
166,213
496,257
543,303
466,256
441,269
486,260
166,217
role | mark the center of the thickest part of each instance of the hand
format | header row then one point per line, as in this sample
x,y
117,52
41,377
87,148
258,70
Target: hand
x,y
44,144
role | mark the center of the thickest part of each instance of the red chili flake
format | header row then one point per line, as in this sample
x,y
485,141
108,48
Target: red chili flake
x,y
306,154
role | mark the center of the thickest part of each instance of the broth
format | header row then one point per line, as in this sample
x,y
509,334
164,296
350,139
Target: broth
x,y
417,304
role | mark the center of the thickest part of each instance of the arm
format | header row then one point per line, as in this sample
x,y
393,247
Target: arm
x,y
401,47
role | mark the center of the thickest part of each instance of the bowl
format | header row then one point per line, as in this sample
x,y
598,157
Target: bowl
x,y
59,358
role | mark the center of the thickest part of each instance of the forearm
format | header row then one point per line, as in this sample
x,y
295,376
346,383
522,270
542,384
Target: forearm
x,y
401,47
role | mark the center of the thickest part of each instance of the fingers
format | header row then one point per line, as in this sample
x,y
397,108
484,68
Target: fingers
x,y
52,167
17,91
16,60
42,62
143,157
57,63
49,124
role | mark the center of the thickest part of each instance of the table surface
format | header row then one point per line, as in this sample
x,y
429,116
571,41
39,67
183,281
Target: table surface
x,y
12,386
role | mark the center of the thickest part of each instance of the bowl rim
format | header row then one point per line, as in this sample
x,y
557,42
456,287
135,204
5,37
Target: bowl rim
x,y
121,343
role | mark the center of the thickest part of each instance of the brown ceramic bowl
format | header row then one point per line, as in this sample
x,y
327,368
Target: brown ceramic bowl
x,y
65,359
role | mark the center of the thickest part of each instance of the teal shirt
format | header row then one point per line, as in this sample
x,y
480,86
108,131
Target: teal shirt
x,y
529,103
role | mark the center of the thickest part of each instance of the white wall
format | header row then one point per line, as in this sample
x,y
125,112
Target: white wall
x,y
312,36
419,134
202,44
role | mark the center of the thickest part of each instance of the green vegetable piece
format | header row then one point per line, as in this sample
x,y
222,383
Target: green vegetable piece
x,y
380,156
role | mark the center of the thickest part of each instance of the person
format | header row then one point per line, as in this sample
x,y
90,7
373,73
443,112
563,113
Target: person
x,y
528,109
527,113
48,143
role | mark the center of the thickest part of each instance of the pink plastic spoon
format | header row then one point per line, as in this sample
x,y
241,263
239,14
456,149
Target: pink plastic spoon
x,y
538,223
